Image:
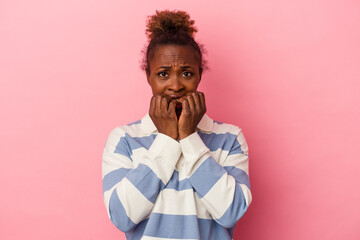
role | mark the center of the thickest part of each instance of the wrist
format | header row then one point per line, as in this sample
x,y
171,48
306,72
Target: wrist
x,y
185,134
172,135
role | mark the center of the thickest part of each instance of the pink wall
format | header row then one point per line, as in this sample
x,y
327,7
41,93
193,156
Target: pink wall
x,y
287,72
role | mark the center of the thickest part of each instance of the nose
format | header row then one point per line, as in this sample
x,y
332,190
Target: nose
x,y
175,84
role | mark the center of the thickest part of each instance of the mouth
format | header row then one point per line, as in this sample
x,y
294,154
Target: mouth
x,y
175,96
178,105
178,109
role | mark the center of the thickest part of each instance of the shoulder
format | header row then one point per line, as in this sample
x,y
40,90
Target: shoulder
x,y
232,134
223,128
229,131
129,130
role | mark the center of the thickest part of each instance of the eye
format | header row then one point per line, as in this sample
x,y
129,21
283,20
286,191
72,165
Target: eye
x,y
187,74
162,74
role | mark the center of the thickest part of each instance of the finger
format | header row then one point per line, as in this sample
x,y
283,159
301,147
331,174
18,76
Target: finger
x,y
171,109
157,105
180,100
191,101
197,101
164,104
202,99
185,107
168,98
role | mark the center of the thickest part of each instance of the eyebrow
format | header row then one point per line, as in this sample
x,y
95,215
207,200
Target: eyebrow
x,y
168,67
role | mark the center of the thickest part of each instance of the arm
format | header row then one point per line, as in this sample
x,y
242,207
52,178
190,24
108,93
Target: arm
x,y
130,191
224,190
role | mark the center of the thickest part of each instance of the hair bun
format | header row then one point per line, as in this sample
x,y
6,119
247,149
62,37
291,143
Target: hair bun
x,y
171,22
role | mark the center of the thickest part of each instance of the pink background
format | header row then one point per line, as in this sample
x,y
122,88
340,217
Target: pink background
x,y
286,72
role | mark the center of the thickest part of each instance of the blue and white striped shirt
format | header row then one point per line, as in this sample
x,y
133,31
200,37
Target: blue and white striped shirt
x,y
158,188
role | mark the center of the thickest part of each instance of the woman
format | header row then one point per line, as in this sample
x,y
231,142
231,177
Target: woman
x,y
175,174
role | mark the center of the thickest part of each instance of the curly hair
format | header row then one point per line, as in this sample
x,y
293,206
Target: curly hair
x,y
171,28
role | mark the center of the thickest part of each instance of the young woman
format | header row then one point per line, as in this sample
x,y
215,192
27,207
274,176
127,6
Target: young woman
x,y
176,173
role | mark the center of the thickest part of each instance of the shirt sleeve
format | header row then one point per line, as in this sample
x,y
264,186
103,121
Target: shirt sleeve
x,y
130,191
223,189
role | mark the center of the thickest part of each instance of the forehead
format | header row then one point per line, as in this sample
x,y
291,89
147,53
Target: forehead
x,y
167,55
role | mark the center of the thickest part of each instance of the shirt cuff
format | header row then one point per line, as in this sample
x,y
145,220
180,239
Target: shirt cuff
x,y
164,154
193,149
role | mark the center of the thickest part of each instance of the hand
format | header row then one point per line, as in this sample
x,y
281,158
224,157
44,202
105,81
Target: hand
x,y
162,113
193,109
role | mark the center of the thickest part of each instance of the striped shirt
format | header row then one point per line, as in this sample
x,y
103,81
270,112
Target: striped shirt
x,y
158,188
